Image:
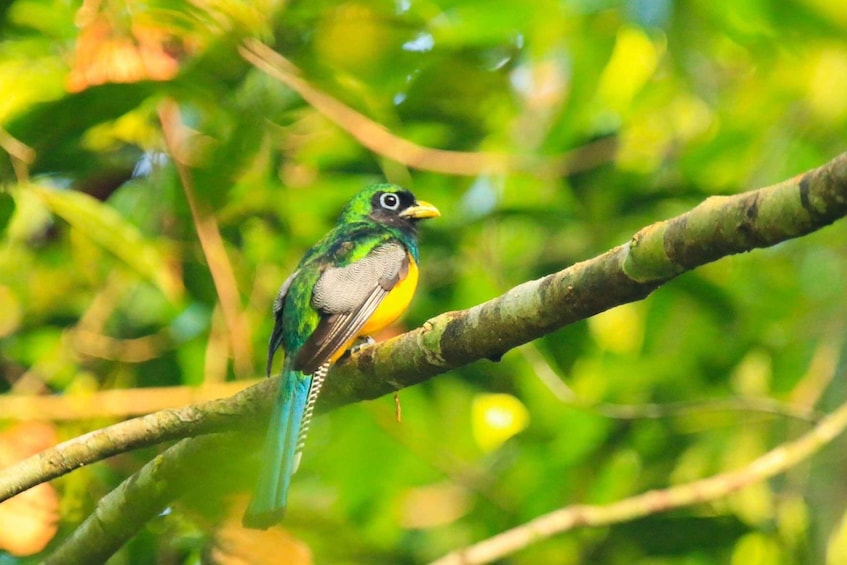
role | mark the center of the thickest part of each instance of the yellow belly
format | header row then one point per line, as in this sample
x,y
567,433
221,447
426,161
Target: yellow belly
x,y
393,305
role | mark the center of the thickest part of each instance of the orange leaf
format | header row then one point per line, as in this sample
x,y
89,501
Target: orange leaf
x,y
235,545
106,54
28,521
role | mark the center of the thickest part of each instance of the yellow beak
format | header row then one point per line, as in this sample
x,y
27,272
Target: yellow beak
x,y
420,211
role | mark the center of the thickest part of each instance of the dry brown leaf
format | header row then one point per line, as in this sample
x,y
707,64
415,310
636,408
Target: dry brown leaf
x,y
236,545
106,54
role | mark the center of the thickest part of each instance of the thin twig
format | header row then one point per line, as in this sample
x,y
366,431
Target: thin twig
x,y
125,350
212,244
380,140
821,371
547,375
21,154
772,463
675,409
120,403
557,387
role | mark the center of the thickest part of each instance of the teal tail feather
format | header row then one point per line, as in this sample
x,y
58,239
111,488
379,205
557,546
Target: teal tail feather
x,y
281,453
290,419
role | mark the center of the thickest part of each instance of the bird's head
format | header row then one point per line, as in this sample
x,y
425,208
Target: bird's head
x,y
388,204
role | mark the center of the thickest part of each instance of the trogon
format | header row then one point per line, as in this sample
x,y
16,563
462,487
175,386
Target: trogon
x,y
354,282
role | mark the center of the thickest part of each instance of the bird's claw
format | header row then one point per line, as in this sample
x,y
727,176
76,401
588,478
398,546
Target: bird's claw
x,y
362,342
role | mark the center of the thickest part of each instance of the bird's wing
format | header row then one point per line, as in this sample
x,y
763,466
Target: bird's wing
x,y
346,297
279,303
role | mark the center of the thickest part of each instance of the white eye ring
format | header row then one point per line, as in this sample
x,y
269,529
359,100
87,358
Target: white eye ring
x,y
389,201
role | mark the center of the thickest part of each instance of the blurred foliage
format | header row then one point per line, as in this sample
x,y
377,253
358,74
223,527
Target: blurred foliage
x,y
702,98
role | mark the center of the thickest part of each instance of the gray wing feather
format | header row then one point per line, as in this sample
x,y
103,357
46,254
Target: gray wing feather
x,y
349,296
343,289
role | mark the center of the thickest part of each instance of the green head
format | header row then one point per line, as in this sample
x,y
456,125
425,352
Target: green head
x,y
387,204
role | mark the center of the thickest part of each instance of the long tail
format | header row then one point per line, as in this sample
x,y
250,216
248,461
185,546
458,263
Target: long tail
x,y
292,413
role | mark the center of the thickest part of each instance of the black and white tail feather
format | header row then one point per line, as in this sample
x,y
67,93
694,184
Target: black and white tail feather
x,y
317,383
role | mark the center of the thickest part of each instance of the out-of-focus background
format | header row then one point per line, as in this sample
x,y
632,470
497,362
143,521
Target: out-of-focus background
x,y
586,119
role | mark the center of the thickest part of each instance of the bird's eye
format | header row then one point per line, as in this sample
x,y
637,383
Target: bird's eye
x,y
389,201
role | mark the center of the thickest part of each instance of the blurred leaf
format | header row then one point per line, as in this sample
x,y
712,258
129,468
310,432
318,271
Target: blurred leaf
x,y
669,535
495,418
104,54
11,311
107,228
634,60
53,129
434,505
7,209
29,520
756,549
235,545
618,478
836,548
620,330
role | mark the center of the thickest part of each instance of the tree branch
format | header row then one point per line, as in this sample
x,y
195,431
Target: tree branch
x,y
718,227
143,496
236,412
211,242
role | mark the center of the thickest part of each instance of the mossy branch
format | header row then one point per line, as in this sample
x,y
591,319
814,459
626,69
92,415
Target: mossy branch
x,y
720,226
147,493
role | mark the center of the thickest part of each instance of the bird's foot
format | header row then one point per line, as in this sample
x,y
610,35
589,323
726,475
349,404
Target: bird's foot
x,y
361,342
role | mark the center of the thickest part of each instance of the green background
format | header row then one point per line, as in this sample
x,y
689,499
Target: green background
x,y
701,98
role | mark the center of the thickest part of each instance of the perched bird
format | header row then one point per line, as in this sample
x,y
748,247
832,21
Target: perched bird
x,y
354,282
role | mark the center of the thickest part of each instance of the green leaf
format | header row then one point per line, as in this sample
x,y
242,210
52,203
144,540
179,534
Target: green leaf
x,y
53,129
7,209
114,233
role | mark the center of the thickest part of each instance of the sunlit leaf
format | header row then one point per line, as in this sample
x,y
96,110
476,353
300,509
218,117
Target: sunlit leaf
x,y
11,311
836,548
620,330
633,62
497,417
828,78
756,549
